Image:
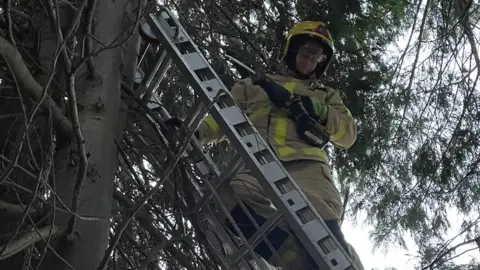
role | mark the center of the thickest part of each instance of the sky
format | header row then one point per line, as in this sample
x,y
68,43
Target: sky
x,y
358,236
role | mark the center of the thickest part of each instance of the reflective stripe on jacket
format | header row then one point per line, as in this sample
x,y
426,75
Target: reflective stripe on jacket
x,y
282,135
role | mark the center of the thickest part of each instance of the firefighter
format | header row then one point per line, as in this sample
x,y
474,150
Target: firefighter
x,y
268,102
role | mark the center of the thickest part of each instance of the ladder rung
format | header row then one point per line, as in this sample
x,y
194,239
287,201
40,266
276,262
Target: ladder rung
x,y
233,115
212,86
253,143
195,61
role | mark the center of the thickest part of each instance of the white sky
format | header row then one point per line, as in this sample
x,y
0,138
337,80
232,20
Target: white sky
x,y
358,237
397,257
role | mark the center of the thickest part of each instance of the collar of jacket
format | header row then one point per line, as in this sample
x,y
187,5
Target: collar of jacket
x,y
311,82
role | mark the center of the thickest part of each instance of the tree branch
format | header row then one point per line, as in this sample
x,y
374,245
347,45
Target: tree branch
x,y
345,202
26,240
448,251
31,87
88,39
14,209
8,17
82,152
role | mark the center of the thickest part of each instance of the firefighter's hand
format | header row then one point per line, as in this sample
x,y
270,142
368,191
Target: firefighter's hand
x,y
295,107
276,93
310,130
317,109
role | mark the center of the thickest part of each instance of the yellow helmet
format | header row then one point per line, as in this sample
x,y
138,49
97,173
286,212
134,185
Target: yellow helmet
x,y
307,30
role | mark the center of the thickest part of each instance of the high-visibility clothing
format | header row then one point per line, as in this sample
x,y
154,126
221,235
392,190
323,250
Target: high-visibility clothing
x,y
274,121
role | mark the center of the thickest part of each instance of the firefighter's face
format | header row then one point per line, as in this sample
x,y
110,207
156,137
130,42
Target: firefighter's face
x,y
309,55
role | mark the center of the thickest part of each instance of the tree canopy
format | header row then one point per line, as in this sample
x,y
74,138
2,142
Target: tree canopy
x,y
407,70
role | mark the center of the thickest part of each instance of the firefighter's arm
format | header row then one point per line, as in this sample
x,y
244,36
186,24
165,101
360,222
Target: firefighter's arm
x,y
209,131
336,119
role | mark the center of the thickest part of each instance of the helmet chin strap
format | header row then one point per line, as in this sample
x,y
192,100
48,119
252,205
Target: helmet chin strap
x,y
302,75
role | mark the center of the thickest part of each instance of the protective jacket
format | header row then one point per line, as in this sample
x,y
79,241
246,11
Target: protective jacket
x,y
277,128
306,164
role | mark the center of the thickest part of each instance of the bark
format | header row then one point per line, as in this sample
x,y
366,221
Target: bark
x,y
98,101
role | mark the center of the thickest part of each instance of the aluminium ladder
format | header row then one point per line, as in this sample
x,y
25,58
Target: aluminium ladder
x,y
252,152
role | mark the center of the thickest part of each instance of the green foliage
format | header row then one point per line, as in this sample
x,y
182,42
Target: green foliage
x,y
417,150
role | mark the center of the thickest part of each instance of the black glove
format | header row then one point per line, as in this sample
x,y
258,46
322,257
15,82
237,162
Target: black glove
x,y
276,93
307,127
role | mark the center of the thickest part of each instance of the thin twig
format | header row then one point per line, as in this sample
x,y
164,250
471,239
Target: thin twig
x,y
28,84
90,10
448,251
149,227
414,67
72,100
60,232
114,44
20,139
49,159
8,16
82,152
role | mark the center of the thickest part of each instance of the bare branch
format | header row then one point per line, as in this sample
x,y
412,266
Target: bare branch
x,y
148,226
88,40
30,86
414,65
448,251
345,203
82,167
26,240
14,209
8,7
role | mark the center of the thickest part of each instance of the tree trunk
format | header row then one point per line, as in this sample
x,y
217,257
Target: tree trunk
x,y
98,102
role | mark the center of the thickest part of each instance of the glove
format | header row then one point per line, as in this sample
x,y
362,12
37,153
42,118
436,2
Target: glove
x,y
308,128
317,109
276,93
